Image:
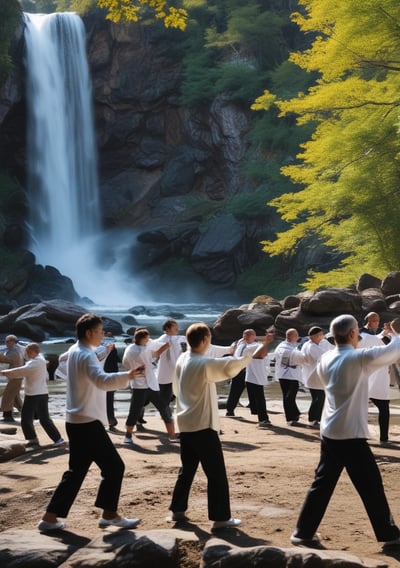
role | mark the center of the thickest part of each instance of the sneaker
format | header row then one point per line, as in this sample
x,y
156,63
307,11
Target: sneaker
x,y
128,440
140,427
293,423
8,419
230,523
314,424
142,421
32,443
230,413
174,439
264,424
313,542
120,522
45,526
60,442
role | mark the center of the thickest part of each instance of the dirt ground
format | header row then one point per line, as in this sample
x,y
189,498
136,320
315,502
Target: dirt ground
x,y
269,472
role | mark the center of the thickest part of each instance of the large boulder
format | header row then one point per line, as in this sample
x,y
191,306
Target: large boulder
x,y
39,321
332,301
391,284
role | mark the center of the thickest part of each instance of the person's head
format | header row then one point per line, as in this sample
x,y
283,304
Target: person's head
x,y
141,336
32,350
198,336
344,329
171,327
292,335
11,340
316,334
89,329
372,321
249,335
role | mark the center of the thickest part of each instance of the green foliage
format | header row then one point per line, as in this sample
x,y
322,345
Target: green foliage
x,y
241,81
10,18
248,204
348,172
270,277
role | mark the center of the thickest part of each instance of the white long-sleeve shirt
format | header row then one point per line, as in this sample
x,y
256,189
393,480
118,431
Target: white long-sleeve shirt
x,y
379,380
87,384
35,375
195,390
308,357
168,359
344,372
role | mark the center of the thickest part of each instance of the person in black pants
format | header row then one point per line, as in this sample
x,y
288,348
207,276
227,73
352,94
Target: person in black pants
x,y
87,383
344,372
238,383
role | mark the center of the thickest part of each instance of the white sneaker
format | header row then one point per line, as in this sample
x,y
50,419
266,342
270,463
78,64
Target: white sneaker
x,y
313,542
230,523
45,526
120,522
60,442
128,441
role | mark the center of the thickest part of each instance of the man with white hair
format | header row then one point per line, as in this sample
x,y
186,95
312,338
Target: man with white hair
x,y
344,372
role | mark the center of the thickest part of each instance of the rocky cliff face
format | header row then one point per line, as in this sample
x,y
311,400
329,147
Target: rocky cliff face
x,y
167,171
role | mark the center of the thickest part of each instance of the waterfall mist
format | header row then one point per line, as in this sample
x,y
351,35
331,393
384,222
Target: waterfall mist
x,y
65,220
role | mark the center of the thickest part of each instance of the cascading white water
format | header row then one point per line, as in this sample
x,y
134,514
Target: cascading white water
x,y
62,167
62,163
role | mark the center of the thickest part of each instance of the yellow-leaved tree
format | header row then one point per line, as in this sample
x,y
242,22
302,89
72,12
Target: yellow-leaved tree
x,y
130,11
349,171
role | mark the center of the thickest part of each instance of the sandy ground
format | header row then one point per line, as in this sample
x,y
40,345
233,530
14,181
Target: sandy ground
x,y
269,472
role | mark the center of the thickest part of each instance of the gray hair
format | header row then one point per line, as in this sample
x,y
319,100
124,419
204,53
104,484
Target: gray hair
x,y
341,326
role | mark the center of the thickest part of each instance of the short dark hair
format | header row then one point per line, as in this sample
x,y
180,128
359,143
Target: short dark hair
x,y
85,322
168,324
196,333
140,334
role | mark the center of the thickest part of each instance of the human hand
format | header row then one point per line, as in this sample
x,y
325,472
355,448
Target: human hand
x,y
136,372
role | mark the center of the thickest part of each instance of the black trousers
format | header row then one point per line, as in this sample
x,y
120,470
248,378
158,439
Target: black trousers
x,y
383,417
289,389
356,457
236,389
37,405
317,404
257,396
139,398
203,446
89,443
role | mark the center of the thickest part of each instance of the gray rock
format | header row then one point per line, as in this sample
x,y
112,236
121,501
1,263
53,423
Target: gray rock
x,y
8,451
220,554
391,284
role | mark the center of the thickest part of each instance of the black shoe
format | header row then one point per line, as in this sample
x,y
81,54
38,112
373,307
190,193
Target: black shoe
x,y
230,413
142,421
8,419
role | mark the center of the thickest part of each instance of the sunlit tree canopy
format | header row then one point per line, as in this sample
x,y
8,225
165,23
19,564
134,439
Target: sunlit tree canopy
x,y
130,11
348,172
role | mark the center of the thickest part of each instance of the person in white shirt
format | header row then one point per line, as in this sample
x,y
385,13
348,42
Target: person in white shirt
x,y
308,357
168,359
343,373
13,354
198,421
89,442
256,379
36,400
145,387
238,383
378,385
289,376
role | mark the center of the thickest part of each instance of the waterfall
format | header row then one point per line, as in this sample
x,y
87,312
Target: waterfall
x,y
62,163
